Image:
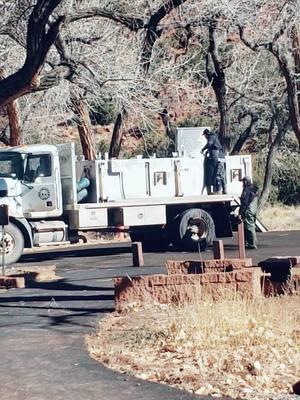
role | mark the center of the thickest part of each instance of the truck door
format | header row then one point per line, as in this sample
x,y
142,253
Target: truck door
x,y
41,191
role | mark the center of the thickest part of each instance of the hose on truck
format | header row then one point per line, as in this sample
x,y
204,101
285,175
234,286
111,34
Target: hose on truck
x,y
81,188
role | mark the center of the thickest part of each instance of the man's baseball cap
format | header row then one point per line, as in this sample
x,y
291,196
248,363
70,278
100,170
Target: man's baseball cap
x,y
206,132
246,179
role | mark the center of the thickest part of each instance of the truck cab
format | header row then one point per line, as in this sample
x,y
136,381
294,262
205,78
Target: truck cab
x,y
30,181
30,186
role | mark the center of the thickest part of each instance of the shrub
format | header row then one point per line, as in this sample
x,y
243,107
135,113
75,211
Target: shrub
x,y
286,173
102,113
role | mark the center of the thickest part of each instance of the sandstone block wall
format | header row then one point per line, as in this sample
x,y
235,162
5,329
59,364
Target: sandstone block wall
x,y
188,281
173,288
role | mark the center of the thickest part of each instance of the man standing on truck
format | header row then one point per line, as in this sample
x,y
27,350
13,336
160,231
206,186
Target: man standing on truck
x,y
248,211
220,183
213,148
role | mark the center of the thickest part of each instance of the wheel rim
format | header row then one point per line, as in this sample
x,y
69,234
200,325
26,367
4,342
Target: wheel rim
x,y
9,244
197,229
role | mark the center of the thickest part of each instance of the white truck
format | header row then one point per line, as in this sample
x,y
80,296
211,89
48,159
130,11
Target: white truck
x,y
52,196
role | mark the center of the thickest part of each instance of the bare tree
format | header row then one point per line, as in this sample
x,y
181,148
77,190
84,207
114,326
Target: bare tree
x,y
152,33
283,44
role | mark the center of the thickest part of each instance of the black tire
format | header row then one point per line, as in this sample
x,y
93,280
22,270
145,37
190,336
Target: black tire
x,y
153,238
193,226
14,244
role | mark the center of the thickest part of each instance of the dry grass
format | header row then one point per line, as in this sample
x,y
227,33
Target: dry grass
x,y
280,218
239,348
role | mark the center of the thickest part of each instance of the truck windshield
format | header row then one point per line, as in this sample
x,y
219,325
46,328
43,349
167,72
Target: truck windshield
x,y
10,165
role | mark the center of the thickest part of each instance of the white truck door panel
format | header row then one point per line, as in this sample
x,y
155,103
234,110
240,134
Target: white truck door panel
x,y
40,189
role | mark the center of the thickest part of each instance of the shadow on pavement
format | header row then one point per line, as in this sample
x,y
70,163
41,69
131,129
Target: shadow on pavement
x,y
61,303
62,284
55,298
61,253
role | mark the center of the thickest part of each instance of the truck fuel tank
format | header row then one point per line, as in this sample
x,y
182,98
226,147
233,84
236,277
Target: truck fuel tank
x,y
45,232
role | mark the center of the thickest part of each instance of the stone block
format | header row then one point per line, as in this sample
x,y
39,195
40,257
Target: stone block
x,y
272,287
296,388
199,267
226,277
11,282
279,267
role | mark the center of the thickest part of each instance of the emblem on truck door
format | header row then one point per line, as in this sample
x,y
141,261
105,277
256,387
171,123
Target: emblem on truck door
x,y
44,194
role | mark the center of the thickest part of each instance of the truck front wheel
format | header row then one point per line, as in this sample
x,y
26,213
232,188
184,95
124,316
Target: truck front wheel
x,y
194,226
13,244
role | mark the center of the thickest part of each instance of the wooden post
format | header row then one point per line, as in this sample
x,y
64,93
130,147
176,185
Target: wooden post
x,y
218,250
137,254
241,241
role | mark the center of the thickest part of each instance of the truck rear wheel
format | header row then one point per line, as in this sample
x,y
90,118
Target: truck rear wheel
x,y
13,244
194,226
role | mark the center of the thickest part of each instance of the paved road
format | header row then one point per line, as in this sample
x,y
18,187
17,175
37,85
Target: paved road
x,y
42,328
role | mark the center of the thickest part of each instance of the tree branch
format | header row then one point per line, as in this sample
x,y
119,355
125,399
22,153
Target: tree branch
x,y
134,24
244,136
154,32
40,37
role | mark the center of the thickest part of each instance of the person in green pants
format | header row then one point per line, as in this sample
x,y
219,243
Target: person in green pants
x,y
248,211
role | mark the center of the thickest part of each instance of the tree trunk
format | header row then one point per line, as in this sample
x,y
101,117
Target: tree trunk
x,y
219,88
12,111
269,164
216,76
116,140
165,117
243,137
15,138
296,55
84,128
293,102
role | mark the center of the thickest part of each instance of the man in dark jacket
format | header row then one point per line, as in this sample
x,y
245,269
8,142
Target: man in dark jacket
x,y
213,150
248,211
220,177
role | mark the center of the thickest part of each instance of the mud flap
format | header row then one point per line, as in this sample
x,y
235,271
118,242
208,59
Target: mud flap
x,y
260,227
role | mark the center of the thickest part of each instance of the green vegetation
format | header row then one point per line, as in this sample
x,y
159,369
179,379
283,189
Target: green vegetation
x,y
285,187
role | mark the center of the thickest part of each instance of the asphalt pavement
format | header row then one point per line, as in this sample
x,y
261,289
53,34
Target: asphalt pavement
x,y
42,328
